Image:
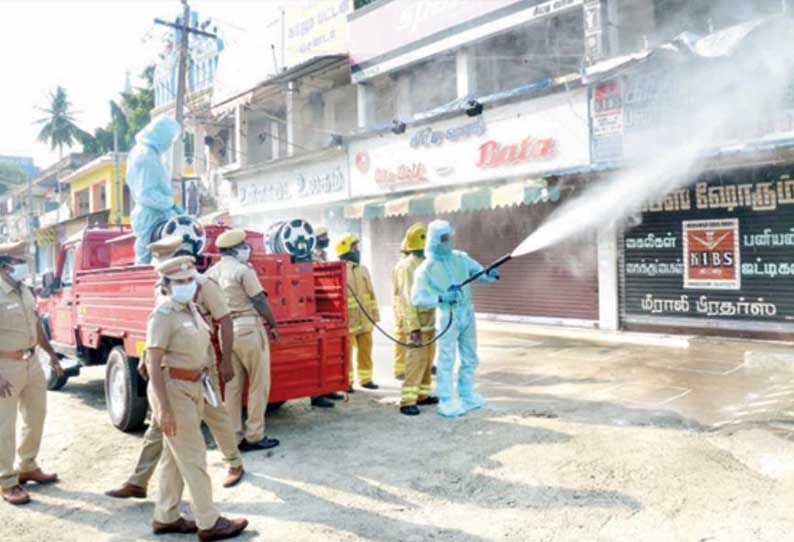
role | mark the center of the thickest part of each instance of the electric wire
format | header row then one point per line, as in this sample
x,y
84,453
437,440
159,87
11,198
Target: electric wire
x,y
394,339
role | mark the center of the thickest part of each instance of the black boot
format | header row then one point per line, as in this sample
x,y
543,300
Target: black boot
x,y
429,400
264,444
370,386
322,401
410,410
335,396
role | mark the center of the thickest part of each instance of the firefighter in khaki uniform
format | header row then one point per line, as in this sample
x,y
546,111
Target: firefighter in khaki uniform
x,y
420,323
248,304
359,284
177,340
23,388
399,318
212,306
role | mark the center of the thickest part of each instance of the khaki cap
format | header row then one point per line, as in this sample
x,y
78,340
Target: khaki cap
x,y
319,231
231,238
180,267
14,249
165,247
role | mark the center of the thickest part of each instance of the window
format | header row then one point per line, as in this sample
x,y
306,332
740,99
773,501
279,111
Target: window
x,y
127,201
68,268
433,83
82,202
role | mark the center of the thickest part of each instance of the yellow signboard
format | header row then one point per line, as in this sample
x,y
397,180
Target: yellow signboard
x,y
316,28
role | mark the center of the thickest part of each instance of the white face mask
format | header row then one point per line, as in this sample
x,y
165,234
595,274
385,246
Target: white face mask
x,y
243,254
19,272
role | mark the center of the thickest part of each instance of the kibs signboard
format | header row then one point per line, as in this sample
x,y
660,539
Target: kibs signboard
x,y
720,250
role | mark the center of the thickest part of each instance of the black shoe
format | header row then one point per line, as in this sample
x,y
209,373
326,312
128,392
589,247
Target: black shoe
x,y
400,377
350,389
433,371
322,401
429,400
370,386
335,396
410,410
264,444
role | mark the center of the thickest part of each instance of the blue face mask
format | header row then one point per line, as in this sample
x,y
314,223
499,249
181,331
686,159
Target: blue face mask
x,y
19,272
182,293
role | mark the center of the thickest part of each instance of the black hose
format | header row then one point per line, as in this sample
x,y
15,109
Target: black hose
x,y
394,339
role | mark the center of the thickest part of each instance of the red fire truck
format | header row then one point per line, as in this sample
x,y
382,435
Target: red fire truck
x,y
96,305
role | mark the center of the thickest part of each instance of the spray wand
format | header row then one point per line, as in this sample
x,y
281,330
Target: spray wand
x,y
501,261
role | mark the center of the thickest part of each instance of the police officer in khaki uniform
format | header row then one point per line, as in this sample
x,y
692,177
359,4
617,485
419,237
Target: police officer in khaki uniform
x,y
212,306
23,388
360,327
248,304
177,341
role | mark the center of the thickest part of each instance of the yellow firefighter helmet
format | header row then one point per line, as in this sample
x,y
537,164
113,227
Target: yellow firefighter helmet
x,y
345,244
415,237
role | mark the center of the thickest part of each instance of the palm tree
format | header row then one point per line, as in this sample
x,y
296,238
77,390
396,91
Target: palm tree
x,y
59,128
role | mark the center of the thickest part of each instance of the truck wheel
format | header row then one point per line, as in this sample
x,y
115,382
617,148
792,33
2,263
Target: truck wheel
x,y
272,407
54,382
126,409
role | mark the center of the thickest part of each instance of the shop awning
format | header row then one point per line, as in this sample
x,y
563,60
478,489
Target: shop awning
x,y
526,192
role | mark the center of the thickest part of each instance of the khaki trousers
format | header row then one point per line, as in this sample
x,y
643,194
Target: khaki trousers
x,y
399,352
251,359
29,400
216,418
362,343
418,371
184,458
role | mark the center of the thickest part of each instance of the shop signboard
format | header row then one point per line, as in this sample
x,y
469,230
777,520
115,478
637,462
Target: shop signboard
x,y
529,138
422,29
314,183
721,250
316,28
625,109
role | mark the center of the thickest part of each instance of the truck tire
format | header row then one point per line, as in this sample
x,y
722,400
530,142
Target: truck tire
x,y
54,382
126,408
272,407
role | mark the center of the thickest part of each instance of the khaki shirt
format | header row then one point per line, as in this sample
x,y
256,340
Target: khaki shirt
x,y
18,319
181,333
210,300
239,283
359,281
414,318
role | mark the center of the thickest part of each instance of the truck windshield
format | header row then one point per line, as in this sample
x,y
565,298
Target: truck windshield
x,y
68,267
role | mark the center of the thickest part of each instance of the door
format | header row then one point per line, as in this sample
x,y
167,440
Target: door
x,y
62,325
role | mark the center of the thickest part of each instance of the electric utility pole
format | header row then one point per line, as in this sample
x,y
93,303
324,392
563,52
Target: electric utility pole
x,y
184,31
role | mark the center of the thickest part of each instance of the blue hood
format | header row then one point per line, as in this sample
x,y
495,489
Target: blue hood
x,y
435,248
159,134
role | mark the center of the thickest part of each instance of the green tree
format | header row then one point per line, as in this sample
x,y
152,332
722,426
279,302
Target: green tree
x,y
58,127
11,175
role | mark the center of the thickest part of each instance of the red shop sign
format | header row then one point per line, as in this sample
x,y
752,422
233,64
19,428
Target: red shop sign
x,y
495,154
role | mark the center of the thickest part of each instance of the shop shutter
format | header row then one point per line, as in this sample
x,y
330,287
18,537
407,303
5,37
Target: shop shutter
x,y
560,282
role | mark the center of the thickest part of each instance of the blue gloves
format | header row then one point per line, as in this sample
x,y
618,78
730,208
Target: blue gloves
x,y
451,296
494,274
178,210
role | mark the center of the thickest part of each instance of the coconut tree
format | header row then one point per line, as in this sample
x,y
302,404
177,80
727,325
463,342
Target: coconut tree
x,y
58,127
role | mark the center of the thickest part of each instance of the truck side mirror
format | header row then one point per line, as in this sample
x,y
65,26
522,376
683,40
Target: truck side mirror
x,y
49,283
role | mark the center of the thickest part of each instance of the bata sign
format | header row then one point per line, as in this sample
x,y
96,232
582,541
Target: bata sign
x,y
530,138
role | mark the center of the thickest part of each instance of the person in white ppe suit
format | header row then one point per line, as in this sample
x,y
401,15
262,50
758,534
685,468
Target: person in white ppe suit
x,y
437,284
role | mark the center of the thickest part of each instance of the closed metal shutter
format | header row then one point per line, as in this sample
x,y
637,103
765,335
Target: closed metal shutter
x,y
558,283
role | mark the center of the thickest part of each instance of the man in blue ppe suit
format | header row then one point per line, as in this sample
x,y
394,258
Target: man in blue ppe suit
x,y
150,182
436,284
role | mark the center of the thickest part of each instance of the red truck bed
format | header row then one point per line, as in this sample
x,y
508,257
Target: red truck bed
x,y
112,302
